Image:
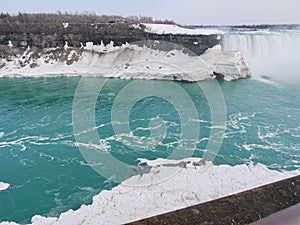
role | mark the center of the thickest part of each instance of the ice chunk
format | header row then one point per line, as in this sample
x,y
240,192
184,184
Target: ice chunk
x,y
4,186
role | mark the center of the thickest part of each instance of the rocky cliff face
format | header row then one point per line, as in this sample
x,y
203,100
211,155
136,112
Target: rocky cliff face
x,y
33,48
55,35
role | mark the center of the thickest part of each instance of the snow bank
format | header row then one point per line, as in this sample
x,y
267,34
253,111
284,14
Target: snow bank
x,y
4,186
155,193
175,29
129,62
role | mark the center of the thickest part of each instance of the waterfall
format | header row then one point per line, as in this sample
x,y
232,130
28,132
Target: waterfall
x,y
272,54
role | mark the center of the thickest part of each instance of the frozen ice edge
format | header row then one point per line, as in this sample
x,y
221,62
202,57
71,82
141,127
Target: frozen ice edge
x,y
134,62
154,193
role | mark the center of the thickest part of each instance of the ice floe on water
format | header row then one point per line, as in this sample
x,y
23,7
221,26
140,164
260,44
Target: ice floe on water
x,y
3,186
154,192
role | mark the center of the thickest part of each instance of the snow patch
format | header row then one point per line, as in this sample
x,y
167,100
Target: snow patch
x,y
10,44
136,26
65,25
66,46
175,29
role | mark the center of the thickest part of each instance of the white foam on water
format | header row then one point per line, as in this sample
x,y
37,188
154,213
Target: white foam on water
x,y
22,141
102,146
193,181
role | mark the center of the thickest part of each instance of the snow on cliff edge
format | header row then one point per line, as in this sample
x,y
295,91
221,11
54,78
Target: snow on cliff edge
x,y
129,62
175,29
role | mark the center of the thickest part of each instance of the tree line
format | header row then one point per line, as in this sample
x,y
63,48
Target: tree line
x,y
74,18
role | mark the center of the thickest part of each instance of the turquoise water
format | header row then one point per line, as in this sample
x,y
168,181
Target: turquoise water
x,y
39,156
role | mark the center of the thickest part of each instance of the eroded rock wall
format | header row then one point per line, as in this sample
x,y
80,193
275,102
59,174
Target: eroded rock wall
x,y
55,35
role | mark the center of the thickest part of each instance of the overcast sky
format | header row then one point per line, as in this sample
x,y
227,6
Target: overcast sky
x,y
182,11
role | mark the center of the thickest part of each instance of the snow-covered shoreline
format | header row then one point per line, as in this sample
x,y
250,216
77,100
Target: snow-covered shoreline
x,y
143,196
128,62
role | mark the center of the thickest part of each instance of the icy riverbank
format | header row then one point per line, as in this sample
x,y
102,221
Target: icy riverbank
x,y
127,62
155,193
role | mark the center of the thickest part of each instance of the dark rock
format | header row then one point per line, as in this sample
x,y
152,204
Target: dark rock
x,y
219,76
242,208
266,77
33,65
2,65
53,35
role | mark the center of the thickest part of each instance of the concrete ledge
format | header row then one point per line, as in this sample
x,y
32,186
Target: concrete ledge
x,y
242,208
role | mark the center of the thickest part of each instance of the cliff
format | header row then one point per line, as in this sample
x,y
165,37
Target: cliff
x,y
33,45
48,31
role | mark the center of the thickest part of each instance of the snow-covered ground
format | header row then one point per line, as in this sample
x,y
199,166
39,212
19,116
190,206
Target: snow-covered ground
x,y
155,193
130,62
175,29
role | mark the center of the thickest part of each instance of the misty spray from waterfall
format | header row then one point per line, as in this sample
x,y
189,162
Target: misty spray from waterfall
x,y
272,54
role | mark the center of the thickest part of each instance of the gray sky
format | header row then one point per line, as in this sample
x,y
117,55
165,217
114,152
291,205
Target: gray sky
x,y
182,11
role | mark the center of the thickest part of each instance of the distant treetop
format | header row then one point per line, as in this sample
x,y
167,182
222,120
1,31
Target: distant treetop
x,y
77,17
